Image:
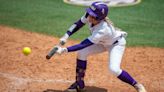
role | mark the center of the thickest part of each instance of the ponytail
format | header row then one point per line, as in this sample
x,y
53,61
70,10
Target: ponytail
x,y
109,22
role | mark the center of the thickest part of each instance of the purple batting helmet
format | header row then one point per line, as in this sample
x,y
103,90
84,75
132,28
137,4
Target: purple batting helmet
x,y
99,10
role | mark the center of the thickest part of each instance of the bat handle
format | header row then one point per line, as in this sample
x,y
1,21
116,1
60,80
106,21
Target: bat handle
x,y
53,51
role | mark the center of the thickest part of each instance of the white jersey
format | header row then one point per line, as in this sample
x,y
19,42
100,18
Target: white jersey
x,y
103,33
104,36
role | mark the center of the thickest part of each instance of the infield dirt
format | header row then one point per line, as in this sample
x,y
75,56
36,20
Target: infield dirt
x,y
33,73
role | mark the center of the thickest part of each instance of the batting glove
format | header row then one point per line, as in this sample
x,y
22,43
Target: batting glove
x,y
63,39
61,50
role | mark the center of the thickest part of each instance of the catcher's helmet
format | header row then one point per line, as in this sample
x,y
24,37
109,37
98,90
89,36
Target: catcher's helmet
x,y
99,10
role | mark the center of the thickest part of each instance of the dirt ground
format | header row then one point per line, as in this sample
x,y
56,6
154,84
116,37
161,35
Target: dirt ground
x,y
33,73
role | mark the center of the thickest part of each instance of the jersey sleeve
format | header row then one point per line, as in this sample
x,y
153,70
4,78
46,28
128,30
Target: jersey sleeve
x,y
77,25
96,37
80,46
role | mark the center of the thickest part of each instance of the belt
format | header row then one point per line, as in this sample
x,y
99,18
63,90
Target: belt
x,y
118,39
115,42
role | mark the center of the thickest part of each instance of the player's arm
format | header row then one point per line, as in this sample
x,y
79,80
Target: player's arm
x,y
75,27
80,46
76,47
93,39
78,24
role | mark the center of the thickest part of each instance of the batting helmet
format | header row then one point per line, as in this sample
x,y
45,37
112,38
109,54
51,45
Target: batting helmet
x,y
99,10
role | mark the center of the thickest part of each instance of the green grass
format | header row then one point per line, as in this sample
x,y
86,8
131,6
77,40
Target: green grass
x,y
144,22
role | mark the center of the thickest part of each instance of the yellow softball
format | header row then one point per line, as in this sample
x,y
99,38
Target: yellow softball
x,y
26,51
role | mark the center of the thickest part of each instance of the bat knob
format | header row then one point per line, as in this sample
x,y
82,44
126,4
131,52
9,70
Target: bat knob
x,y
62,43
48,57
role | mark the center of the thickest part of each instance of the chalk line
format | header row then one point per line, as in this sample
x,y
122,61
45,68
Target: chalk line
x,y
20,81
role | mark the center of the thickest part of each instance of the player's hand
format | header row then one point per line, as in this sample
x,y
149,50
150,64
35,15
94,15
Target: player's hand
x,y
63,39
61,50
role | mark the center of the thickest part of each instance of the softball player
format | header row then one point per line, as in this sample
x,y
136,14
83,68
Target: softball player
x,y
104,37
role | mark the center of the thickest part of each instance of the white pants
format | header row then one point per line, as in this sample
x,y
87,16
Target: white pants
x,y
116,52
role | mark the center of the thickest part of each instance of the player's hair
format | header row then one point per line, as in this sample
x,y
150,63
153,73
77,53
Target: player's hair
x,y
109,22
